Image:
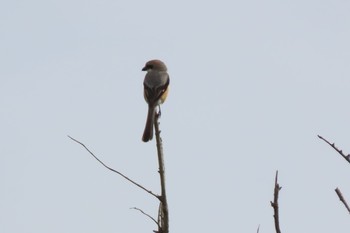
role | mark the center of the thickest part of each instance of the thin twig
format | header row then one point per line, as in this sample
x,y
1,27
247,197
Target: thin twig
x,y
257,231
342,199
274,204
111,169
164,213
135,208
346,157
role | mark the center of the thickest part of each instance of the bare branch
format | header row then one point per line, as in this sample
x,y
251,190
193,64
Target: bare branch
x,y
111,169
342,199
346,157
163,207
257,231
135,208
274,204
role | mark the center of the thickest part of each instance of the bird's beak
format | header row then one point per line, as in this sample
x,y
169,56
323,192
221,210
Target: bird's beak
x,y
144,68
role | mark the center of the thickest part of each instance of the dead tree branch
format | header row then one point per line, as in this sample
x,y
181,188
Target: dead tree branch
x,y
274,204
115,171
163,213
342,199
149,216
346,157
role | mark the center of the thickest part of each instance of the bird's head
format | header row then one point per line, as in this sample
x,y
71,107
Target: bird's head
x,y
157,65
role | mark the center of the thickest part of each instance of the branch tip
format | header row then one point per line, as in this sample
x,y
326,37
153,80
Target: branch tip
x,y
342,199
346,157
149,216
274,204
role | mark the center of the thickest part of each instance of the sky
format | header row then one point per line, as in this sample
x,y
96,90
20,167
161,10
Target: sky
x,y
252,85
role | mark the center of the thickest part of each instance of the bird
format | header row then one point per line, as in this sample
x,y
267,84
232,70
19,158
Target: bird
x,y
156,88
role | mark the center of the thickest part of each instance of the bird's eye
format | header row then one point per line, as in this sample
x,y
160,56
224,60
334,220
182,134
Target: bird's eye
x,y
150,67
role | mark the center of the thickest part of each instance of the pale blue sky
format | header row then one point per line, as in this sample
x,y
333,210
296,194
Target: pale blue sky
x,y
252,84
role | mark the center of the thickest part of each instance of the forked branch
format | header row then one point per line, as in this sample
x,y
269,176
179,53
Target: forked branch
x,y
163,213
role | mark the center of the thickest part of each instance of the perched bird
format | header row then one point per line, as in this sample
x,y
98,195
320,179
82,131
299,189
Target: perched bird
x,y
156,87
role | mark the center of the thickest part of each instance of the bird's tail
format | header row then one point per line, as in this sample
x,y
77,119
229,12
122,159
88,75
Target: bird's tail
x,y
148,133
